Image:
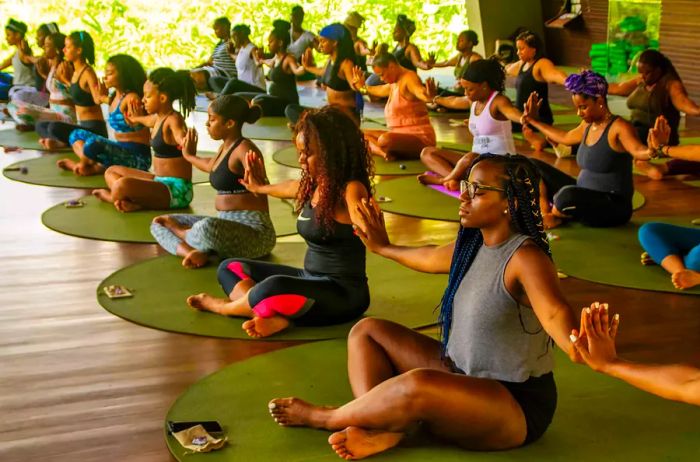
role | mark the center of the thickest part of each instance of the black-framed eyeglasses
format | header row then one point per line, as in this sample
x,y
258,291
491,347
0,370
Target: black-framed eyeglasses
x,y
472,188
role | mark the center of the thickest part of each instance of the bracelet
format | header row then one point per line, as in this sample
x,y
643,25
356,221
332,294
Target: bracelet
x,y
435,99
665,154
363,90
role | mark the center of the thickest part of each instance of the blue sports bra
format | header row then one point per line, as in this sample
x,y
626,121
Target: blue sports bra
x,y
118,122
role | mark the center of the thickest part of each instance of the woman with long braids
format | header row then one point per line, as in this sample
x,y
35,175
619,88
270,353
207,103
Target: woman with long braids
x,y
131,189
601,196
488,383
332,286
336,76
84,89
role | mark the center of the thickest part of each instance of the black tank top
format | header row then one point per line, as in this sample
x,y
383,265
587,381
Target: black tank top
x,y
336,253
332,79
223,179
79,96
161,149
400,55
525,84
604,169
283,85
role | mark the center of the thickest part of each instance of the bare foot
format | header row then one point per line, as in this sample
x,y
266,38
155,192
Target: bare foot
x,y
125,206
66,164
85,169
195,259
104,195
52,144
428,178
549,220
652,171
294,412
685,279
206,302
646,259
264,327
451,185
357,443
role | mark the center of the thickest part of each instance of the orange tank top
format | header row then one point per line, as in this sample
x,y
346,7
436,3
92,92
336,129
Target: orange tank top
x,y
402,112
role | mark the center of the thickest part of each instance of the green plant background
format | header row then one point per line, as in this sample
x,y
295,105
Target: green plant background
x,y
177,33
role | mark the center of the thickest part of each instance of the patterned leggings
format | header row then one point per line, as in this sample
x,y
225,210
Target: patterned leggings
x,y
236,233
108,152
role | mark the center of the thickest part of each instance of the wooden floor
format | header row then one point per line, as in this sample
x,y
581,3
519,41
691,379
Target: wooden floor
x,y
77,383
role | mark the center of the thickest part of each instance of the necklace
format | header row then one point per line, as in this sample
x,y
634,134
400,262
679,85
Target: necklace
x,y
604,123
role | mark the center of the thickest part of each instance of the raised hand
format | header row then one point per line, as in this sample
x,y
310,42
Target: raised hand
x,y
596,342
134,108
370,227
63,72
659,134
306,59
358,77
101,88
532,108
254,177
373,50
431,59
189,142
231,47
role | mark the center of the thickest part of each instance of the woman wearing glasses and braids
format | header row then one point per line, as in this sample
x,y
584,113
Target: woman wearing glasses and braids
x,y
488,384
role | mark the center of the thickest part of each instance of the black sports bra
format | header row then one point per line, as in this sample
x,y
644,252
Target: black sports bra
x,y
223,179
79,96
161,149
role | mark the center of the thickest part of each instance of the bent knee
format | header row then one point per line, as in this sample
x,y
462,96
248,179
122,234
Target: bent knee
x,y
427,152
417,387
365,327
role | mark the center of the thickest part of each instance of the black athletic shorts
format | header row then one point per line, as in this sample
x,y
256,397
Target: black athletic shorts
x,y
537,397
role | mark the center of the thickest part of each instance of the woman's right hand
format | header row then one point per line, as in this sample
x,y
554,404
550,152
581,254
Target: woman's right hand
x,y
358,77
531,109
134,108
371,228
254,177
189,142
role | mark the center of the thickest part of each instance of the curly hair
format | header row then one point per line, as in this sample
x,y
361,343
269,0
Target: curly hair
x,y
343,156
521,184
130,73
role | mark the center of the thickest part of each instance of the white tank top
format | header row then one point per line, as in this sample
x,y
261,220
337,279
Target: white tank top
x,y
490,135
248,69
21,73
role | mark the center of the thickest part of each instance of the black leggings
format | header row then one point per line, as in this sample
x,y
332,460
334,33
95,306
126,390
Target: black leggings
x,y
311,300
272,106
61,131
592,208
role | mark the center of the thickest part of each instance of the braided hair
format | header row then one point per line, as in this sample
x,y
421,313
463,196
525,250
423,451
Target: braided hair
x,y
521,183
177,85
343,156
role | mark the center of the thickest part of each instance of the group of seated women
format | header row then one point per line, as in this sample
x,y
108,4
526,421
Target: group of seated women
x,y
487,383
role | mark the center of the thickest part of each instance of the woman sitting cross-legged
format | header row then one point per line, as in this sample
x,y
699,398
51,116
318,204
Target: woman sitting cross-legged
x,y
332,286
488,383
131,189
243,227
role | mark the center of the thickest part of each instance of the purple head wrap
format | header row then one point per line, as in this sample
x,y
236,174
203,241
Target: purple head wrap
x,y
587,83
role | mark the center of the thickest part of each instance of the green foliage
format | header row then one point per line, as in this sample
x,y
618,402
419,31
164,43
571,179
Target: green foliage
x,y
177,33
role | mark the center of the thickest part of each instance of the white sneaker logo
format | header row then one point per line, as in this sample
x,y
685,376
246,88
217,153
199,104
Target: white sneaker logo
x,y
302,218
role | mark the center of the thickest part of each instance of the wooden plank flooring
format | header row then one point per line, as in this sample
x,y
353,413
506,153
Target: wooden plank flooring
x,y
77,383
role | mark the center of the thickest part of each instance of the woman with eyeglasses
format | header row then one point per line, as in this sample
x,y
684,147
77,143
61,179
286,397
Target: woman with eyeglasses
x,y
488,383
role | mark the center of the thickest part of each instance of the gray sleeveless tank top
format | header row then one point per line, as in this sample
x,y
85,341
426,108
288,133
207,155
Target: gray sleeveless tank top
x,y
492,336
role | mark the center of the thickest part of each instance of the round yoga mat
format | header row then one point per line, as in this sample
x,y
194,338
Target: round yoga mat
x,y
11,138
594,413
100,220
43,171
161,286
406,196
289,157
615,260
276,129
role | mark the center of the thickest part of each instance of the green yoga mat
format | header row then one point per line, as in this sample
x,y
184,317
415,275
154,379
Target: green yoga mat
x,y
43,171
611,256
161,286
289,157
597,417
12,138
276,129
409,197
100,220
690,140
